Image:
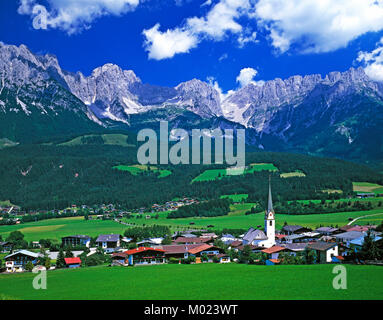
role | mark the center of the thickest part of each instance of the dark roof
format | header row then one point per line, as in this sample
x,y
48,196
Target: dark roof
x,y
77,236
108,238
321,246
327,229
295,246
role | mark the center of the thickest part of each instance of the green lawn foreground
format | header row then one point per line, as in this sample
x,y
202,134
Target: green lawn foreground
x,y
203,281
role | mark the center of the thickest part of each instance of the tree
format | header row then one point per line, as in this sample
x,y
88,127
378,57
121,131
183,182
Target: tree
x,y
60,262
245,254
68,253
309,256
370,250
47,263
29,266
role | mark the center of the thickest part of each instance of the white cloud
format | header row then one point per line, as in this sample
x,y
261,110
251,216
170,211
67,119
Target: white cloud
x,y
318,26
246,76
219,21
163,45
75,15
373,62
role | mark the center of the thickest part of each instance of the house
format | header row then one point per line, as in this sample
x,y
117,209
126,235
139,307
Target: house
x,y
259,238
17,261
357,243
73,262
178,251
145,256
302,237
109,242
210,235
327,231
324,250
228,238
205,249
273,252
294,248
346,237
294,229
360,228
235,244
119,258
152,242
74,241
223,258
5,246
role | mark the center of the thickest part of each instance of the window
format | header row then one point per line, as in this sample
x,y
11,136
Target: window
x,y
271,223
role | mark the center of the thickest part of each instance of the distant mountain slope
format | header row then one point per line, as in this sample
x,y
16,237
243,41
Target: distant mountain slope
x,y
339,115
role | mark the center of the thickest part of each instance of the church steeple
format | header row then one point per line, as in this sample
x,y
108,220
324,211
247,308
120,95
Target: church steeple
x,y
270,203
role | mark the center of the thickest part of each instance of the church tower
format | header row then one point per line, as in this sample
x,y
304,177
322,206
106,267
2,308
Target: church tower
x,y
270,219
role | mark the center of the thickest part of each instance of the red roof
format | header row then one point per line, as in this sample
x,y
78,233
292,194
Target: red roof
x,y
280,236
76,260
142,249
200,248
273,249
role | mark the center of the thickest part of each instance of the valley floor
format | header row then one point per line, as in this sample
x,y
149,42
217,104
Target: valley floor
x,y
200,281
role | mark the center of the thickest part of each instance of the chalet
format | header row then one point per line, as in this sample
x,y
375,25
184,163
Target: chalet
x,y
205,249
109,242
294,229
119,258
324,250
17,261
74,241
235,244
73,262
178,251
145,256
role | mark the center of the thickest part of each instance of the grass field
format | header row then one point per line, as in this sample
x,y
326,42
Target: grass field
x,y
235,197
57,228
204,281
213,174
109,139
137,169
367,187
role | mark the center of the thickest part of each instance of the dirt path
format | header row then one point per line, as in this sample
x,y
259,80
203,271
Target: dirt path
x,y
369,215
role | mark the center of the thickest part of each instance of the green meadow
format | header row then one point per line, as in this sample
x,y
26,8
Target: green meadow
x,y
137,169
367,187
235,197
213,174
199,281
57,228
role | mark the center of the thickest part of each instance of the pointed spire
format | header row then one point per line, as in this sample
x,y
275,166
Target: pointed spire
x,y
270,203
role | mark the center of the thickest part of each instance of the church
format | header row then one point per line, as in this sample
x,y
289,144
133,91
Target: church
x,y
265,238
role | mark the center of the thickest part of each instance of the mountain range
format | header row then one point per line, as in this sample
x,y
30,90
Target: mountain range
x,y
338,115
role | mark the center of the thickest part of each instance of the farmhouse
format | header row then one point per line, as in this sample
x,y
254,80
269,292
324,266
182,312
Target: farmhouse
x,y
207,250
109,242
73,262
17,261
325,251
143,255
178,251
74,241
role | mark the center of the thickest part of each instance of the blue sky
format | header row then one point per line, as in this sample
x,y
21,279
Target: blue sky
x,y
169,41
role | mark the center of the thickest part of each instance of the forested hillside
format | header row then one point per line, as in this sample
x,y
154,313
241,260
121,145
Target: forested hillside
x,y
53,177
